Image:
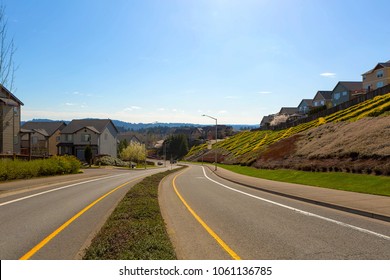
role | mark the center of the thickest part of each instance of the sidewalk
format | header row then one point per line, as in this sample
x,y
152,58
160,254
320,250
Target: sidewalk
x,y
373,206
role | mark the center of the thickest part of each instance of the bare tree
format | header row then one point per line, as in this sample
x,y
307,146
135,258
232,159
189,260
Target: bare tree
x,y
7,52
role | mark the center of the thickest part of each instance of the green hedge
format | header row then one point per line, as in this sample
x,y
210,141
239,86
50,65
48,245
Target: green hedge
x,y
20,169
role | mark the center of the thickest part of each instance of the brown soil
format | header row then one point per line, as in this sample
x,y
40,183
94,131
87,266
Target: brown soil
x,y
356,147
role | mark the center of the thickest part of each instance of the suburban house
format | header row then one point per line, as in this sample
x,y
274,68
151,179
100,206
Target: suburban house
x,y
345,91
129,137
323,98
305,106
10,109
266,121
192,133
377,77
41,138
100,135
288,111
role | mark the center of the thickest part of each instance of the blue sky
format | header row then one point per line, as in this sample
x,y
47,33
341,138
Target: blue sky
x,y
172,61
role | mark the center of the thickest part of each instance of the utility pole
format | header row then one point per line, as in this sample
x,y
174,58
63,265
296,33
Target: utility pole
x,y
216,139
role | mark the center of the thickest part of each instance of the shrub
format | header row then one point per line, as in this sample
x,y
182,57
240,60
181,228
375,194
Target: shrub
x,y
110,161
19,169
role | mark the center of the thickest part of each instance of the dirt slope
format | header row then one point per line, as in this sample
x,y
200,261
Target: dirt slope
x,y
360,147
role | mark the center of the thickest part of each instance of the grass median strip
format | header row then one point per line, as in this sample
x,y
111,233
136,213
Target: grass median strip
x,y
136,229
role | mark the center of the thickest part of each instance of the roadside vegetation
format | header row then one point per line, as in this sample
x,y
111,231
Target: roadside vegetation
x,y
378,185
136,229
20,169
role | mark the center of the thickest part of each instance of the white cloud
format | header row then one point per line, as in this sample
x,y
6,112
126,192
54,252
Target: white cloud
x,y
328,74
132,108
70,104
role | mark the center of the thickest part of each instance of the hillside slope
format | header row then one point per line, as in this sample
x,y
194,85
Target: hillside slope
x,y
352,140
358,147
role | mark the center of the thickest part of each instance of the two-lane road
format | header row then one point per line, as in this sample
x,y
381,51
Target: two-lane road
x,y
211,218
58,220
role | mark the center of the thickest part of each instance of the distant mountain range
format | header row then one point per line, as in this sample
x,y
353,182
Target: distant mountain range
x,y
139,126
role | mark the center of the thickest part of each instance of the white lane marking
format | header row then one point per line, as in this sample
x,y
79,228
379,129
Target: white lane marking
x,y
57,189
301,211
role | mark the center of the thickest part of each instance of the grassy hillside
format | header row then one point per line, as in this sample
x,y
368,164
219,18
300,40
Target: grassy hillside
x,y
247,147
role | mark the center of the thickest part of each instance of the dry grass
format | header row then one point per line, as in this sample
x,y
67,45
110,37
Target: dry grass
x,y
366,138
353,147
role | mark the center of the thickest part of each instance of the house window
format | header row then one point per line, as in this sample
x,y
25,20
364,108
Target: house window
x,y
315,103
345,93
68,137
322,102
34,140
85,137
379,84
337,96
379,73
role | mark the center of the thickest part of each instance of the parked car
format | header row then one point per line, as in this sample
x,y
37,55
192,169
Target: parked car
x,y
159,163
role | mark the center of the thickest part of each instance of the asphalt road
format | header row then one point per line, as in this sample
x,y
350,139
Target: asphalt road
x,y
37,212
230,221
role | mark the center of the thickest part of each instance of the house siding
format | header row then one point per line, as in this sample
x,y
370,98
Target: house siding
x,y
371,81
9,136
340,95
53,142
108,142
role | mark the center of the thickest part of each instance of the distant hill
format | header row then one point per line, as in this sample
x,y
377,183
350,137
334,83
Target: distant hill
x,y
124,126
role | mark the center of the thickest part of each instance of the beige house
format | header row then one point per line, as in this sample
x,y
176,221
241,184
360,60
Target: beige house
x,y
100,135
10,108
377,77
41,138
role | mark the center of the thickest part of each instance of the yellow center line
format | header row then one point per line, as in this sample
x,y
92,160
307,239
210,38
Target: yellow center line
x,y
205,226
41,244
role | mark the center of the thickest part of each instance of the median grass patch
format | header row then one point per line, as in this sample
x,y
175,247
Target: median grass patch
x,y
378,185
135,230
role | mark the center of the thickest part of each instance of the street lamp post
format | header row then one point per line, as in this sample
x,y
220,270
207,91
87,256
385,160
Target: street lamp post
x,y
216,137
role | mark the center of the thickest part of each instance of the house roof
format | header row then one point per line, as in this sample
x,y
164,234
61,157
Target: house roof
x,y
288,110
378,66
267,119
8,95
323,94
129,137
44,128
309,102
351,86
97,125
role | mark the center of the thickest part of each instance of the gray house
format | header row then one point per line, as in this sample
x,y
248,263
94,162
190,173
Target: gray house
x,y
100,135
10,107
305,106
323,98
345,91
